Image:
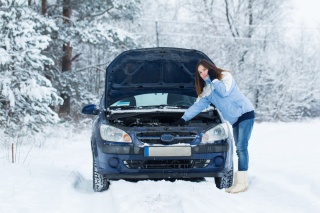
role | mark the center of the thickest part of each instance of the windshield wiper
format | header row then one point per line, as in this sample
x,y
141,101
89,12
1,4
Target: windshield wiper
x,y
123,107
153,106
182,106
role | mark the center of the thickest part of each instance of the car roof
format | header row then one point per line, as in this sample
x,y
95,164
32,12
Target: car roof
x,y
151,70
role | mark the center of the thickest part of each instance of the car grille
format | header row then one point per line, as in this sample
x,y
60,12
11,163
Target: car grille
x,y
166,164
165,138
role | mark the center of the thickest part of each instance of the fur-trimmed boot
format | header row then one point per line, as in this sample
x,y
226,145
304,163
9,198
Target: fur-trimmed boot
x,y
240,183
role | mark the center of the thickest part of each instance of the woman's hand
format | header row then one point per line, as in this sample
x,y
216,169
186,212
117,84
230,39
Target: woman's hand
x,y
180,122
212,74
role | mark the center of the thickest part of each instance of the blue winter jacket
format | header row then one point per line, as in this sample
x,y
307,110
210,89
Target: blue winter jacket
x,y
225,95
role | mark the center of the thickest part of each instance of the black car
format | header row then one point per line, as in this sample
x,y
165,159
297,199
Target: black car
x,y
133,136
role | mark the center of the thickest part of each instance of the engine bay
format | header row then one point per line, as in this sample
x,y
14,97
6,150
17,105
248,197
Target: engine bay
x,y
156,119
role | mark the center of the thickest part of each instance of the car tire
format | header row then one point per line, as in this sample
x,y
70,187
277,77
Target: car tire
x,y
100,182
225,181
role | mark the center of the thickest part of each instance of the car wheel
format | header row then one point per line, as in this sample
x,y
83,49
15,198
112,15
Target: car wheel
x,y
100,182
225,181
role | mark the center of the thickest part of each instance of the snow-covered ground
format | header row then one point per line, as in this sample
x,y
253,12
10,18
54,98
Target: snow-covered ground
x,y
53,174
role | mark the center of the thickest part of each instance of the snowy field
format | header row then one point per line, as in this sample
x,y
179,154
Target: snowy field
x,y
53,174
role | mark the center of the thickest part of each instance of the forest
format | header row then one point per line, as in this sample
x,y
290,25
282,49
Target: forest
x,y
53,53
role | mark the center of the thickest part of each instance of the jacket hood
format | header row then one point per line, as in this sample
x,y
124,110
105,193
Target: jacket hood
x,y
152,70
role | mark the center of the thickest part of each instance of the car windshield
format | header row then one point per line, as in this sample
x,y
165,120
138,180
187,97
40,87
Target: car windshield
x,y
156,99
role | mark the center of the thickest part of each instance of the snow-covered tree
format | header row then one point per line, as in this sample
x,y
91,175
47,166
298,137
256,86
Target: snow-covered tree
x,y
88,37
26,96
296,80
248,38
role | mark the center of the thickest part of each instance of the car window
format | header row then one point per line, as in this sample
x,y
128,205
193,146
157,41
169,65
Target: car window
x,y
155,99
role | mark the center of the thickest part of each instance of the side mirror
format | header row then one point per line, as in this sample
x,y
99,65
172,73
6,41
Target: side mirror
x,y
90,109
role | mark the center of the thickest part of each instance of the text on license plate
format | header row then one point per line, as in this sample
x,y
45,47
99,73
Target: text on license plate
x,y
167,151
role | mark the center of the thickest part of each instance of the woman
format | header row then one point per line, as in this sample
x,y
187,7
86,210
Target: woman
x,y
216,86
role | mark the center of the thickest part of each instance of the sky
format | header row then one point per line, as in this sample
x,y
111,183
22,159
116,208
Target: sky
x,y
306,12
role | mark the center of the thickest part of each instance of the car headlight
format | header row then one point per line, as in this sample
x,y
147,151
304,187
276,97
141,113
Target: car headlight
x,y
110,133
218,132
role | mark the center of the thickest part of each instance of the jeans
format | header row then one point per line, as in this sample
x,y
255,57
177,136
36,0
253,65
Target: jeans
x,y
241,134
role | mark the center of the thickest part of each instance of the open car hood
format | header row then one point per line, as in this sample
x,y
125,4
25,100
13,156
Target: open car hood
x,y
152,70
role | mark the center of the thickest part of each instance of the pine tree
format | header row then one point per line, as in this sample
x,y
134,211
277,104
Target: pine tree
x,y
26,96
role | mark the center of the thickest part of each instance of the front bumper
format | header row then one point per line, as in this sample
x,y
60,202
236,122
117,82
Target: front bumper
x,y
130,162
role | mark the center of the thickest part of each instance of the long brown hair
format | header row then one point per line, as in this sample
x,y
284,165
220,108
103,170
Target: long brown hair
x,y
199,82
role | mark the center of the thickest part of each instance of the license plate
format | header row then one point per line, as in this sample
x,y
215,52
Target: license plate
x,y
166,151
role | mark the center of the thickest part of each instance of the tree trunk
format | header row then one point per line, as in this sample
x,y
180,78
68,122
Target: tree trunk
x,y
43,7
250,18
66,59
